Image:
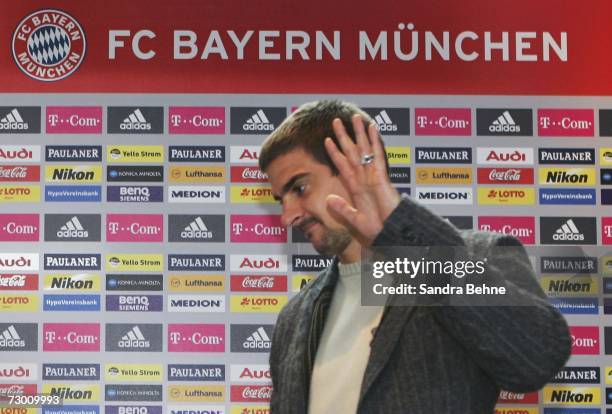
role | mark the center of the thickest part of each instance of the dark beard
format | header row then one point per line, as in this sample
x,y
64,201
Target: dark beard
x,y
334,242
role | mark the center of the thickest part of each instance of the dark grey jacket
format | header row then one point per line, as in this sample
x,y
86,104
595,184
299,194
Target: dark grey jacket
x,y
426,360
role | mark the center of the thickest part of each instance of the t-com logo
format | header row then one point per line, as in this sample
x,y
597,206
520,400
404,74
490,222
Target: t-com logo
x,y
196,120
71,337
566,123
257,229
443,121
49,45
19,227
196,338
74,119
134,227
522,228
585,340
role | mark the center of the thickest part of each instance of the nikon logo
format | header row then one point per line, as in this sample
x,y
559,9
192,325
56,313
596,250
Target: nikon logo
x,y
71,283
568,396
66,393
70,174
563,177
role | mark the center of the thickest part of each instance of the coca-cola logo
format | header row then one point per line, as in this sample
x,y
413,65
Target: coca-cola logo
x,y
12,281
252,283
258,393
505,175
13,172
255,173
265,282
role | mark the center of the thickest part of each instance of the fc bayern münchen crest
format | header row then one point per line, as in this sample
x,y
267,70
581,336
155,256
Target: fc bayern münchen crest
x,y
48,45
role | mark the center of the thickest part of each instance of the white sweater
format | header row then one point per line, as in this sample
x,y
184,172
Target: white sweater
x,y
344,347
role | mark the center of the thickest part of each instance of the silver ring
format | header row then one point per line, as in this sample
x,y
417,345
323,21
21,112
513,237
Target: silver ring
x,y
367,159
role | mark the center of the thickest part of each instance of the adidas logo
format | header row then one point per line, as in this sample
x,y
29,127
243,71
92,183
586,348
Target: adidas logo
x,y
504,123
10,338
72,229
568,232
135,120
134,339
196,230
258,122
13,120
258,340
384,123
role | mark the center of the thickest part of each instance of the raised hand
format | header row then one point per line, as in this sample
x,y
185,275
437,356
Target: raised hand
x,y
366,179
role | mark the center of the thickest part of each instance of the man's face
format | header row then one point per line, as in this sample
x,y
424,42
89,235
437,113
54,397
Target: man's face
x,y
301,184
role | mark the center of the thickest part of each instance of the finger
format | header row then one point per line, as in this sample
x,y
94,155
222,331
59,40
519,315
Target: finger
x,y
347,172
348,146
360,134
377,148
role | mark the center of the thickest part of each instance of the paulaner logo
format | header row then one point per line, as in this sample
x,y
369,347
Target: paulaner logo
x,y
48,45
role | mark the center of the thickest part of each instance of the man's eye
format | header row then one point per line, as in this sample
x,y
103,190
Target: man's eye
x,y
299,189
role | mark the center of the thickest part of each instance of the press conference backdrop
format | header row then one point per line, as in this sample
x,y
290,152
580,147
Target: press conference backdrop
x,y
142,258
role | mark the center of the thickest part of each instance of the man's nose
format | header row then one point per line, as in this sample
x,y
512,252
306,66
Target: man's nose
x,y
292,213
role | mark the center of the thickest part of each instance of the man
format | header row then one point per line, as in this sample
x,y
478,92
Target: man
x,y
327,167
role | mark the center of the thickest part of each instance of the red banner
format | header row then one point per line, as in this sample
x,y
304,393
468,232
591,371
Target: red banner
x,y
433,47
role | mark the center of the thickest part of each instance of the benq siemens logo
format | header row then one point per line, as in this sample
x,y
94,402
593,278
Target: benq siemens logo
x,y
48,45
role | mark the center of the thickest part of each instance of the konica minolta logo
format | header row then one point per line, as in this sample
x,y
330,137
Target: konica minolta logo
x,y
20,119
504,122
135,120
253,120
391,121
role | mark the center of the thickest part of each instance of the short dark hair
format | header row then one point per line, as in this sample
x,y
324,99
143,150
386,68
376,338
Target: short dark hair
x,y
307,128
